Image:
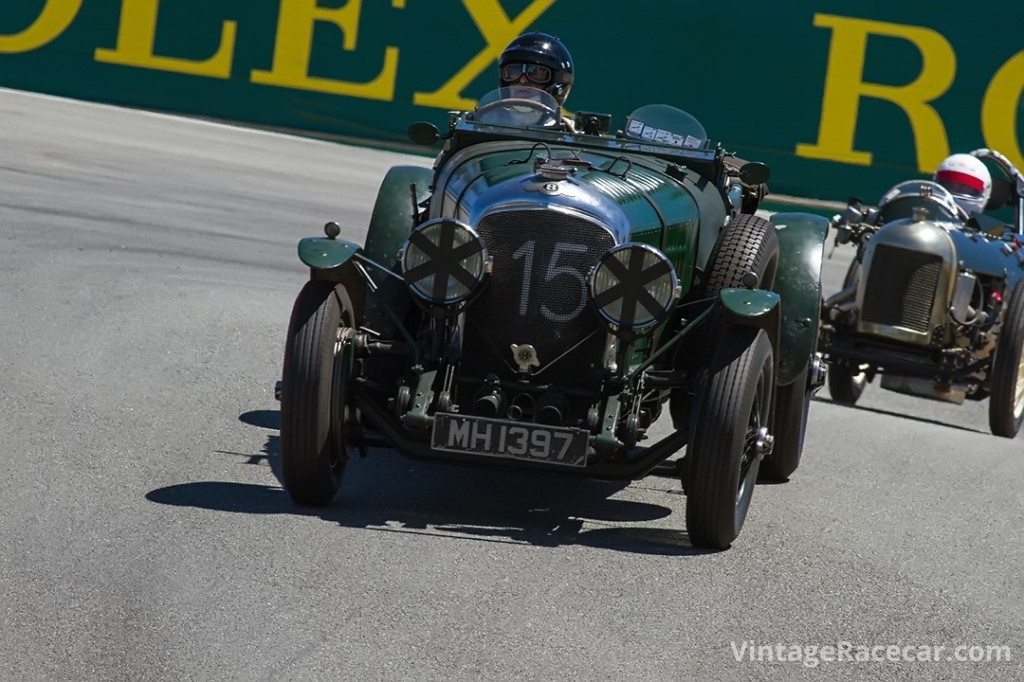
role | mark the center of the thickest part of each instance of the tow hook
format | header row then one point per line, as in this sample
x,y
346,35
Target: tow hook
x,y
764,444
277,390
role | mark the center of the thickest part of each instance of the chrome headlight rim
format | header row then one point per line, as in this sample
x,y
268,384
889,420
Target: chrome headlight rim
x,y
611,286
444,262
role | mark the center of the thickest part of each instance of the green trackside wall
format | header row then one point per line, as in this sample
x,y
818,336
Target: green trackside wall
x,y
840,98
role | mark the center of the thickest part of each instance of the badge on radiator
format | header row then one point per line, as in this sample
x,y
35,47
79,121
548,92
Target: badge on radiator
x,y
525,356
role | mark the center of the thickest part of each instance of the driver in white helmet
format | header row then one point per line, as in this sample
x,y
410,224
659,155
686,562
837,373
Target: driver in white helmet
x,y
967,179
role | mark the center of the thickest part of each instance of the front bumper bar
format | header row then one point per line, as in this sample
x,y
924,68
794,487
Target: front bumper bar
x,y
634,464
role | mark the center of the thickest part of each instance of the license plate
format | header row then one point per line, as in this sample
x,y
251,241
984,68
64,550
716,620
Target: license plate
x,y
515,440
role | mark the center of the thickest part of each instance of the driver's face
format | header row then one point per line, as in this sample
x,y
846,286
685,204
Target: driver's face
x,y
523,81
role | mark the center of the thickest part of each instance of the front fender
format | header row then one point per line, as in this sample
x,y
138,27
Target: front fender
x,y
390,224
798,283
756,308
323,253
392,218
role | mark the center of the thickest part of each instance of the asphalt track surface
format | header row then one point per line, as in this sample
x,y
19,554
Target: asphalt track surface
x,y
148,269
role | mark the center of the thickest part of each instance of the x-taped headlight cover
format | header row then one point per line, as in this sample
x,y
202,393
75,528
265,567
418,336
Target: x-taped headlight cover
x,y
634,287
444,261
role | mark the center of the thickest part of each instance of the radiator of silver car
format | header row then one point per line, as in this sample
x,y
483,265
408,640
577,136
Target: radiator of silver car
x,y
901,287
537,293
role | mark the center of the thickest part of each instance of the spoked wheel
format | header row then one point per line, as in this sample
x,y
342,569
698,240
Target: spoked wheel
x,y
315,413
846,382
729,439
1006,403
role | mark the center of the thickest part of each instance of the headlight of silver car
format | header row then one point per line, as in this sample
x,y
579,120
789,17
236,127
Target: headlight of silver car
x,y
444,261
633,287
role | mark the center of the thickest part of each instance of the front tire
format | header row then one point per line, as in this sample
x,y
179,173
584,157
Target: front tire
x,y
1006,403
748,244
314,414
846,383
730,420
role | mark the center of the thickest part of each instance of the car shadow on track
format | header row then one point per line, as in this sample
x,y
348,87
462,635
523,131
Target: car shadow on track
x,y
901,415
388,492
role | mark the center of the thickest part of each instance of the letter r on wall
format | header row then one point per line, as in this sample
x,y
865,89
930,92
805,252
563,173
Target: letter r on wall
x,y
844,87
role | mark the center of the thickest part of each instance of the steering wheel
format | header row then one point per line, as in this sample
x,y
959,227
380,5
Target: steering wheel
x,y
533,104
1004,163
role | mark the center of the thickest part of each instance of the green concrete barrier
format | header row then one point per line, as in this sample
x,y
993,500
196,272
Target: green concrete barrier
x,y
840,98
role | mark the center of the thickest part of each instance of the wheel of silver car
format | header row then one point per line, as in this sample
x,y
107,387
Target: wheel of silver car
x,y
314,410
730,437
846,382
1006,403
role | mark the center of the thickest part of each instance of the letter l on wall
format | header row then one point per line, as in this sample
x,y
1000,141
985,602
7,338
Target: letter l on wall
x,y
136,36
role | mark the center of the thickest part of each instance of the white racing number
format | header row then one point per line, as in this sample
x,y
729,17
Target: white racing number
x,y
554,271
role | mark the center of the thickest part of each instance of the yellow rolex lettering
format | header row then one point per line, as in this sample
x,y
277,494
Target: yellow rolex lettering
x,y
55,18
844,87
294,43
1001,107
497,30
137,33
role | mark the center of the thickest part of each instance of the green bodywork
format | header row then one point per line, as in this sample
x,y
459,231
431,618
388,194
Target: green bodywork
x,y
392,218
663,198
752,308
322,253
640,198
798,283
744,304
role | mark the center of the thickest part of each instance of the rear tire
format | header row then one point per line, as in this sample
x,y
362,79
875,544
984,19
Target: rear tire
x,y
1006,403
314,411
792,403
722,462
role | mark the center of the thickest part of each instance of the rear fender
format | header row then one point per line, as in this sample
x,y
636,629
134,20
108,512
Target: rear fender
x,y
798,283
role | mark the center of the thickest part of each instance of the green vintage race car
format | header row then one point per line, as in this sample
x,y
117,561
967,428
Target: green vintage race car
x,y
538,298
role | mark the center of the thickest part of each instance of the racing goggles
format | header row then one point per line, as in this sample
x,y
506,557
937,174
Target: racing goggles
x,y
962,184
536,73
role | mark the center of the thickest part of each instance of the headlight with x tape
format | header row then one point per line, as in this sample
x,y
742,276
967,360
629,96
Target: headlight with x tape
x,y
633,287
444,261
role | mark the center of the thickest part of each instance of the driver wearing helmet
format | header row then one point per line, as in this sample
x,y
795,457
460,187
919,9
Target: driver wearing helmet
x,y
967,179
541,61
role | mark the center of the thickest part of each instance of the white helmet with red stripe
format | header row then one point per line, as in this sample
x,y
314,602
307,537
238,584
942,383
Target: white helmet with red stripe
x,y
967,179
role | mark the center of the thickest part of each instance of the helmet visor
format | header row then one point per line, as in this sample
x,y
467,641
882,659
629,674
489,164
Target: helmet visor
x,y
961,184
535,73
